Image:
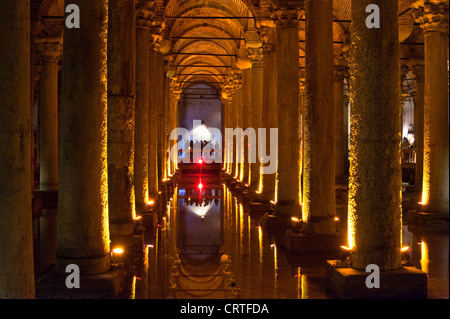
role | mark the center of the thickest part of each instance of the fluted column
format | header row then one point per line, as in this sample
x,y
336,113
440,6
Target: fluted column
x,y
256,55
121,116
143,22
269,109
287,41
49,50
374,222
419,98
83,230
319,204
433,15
16,234
340,136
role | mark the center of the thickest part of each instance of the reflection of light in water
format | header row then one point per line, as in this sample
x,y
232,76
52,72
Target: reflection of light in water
x,y
201,133
133,288
305,288
299,283
260,240
200,210
424,258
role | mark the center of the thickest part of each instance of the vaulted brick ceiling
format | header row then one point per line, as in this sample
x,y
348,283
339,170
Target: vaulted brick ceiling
x,y
187,47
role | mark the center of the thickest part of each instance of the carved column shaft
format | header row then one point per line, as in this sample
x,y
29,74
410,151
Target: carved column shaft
x,y
287,41
83,228
435,188
16,234
374,216
50,52
318,175
121,117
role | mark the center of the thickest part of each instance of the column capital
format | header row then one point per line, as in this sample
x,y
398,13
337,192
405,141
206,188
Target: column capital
x,y
144,13
256,57
285,17
49,49
432,14
268,38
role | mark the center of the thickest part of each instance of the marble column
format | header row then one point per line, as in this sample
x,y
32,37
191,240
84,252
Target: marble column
x,y
121,117
83,223
319,205
374,216
256,55
49,50
155,72
269,109
419,98
433,15
246,118
340,135
287,60
143,22
16,235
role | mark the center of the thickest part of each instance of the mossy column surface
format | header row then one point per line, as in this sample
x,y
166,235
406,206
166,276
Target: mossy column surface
x,y
121,116
143,16
433,15
375,168
318,148
83,225
16,239
287,42
269,110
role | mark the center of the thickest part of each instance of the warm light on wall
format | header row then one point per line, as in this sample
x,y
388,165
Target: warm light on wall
x,y
424,256
118,251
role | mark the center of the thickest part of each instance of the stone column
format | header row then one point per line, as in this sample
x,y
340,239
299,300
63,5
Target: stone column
x,y
269,109
83,232
236,120
340,136
246,120
419,98
319,205
16,235
143,22
155,72
374,221
121,112
287,59
49,51
435,189
256,55
160,97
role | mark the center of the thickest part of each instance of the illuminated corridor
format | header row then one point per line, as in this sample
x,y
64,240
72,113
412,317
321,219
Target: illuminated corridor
x,y
224,149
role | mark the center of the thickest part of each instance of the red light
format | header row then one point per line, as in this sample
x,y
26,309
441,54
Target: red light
x,y
200,161
200,185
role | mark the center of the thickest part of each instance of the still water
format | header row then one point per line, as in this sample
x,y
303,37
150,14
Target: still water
x,y
211,246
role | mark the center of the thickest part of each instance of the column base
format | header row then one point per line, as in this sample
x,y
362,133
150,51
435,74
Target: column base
x,y
107,285
427,222
88,266
275,221
404,283
130,243
314,243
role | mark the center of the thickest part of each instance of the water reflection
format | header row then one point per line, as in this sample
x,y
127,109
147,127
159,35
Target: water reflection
x,y
211,245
